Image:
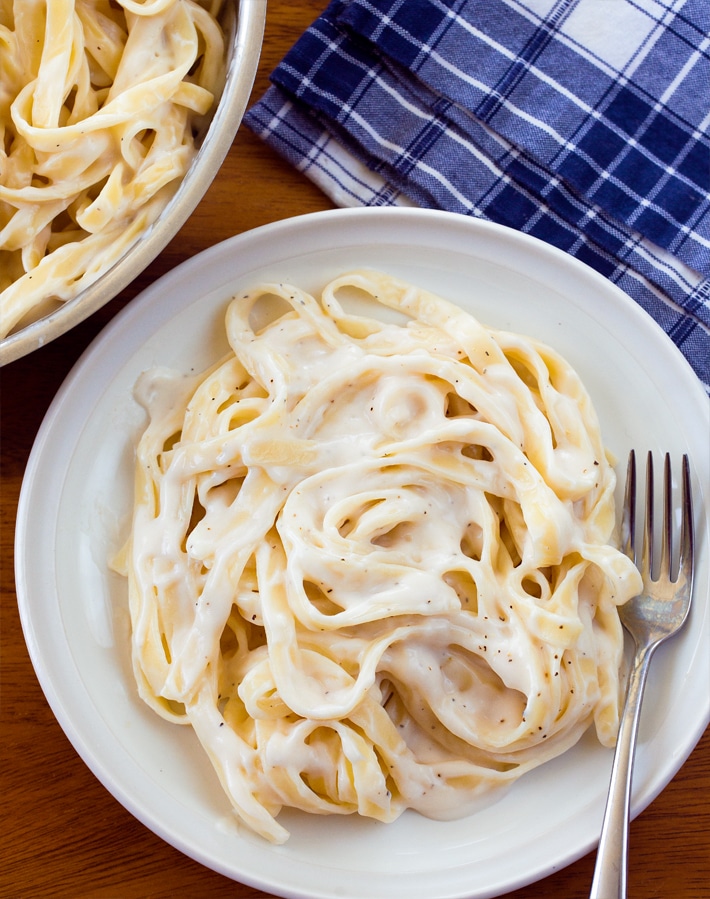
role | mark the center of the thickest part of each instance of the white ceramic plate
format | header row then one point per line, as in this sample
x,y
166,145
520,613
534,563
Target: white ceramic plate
x,y
75,505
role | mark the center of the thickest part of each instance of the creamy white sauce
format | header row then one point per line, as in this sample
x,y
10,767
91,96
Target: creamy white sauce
x,y
373,572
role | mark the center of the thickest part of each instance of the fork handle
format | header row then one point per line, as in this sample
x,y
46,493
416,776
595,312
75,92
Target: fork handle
x,y
609,881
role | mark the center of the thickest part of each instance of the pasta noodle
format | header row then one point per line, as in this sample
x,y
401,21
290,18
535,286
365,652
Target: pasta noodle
x,y
99,102
369,560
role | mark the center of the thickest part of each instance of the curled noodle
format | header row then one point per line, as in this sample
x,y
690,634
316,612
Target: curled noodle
x,y
100,104
370,563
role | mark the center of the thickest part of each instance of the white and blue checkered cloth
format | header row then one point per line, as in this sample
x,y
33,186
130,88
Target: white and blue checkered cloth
x,y
582,122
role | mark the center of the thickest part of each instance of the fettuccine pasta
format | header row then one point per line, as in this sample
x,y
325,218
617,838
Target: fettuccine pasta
x,y
369,561
99,105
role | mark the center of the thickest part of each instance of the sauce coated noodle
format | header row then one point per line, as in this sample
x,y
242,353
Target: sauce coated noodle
x,y
99,104
370,563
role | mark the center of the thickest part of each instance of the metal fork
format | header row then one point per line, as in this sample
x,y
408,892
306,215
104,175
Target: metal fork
x,y
653,616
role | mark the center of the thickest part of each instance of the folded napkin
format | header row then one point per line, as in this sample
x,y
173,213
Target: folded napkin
x,y
581,122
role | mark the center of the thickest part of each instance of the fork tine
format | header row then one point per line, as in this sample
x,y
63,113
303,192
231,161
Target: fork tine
x,y
666,532
628,519
687,536
646,566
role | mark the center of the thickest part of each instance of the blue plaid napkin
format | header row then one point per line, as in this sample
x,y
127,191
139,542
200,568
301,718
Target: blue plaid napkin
x,y
581,122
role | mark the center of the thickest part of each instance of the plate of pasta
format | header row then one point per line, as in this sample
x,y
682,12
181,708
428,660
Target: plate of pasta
x,y
116,118
332,601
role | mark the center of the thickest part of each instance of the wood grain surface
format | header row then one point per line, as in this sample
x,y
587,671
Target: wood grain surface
x,y
62,833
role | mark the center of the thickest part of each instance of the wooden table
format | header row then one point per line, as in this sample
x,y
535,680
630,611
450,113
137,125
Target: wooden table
x,y
63,834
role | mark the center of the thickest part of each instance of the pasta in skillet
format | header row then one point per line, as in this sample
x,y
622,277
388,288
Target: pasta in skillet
x,y
369,562
99,102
